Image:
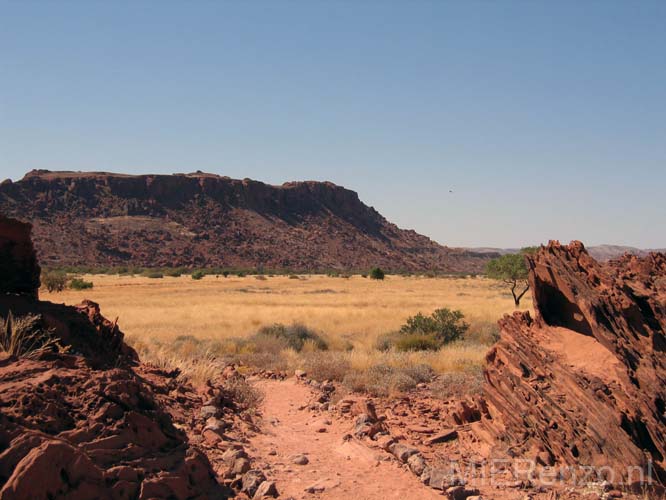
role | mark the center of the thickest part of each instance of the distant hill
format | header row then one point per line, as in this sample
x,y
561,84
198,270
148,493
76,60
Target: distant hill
x,y
599,252
204,220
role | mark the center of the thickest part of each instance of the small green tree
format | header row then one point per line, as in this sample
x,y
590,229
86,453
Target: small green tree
x,y
376,273
512,270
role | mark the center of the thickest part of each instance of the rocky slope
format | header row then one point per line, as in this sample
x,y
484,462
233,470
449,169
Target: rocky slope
x,y
85,419
584,381
201,220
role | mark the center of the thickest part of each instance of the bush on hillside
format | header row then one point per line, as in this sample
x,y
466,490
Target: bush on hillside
x,y
198,274
376,273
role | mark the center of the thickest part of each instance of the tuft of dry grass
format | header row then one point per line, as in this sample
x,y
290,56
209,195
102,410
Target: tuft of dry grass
x,y
24,337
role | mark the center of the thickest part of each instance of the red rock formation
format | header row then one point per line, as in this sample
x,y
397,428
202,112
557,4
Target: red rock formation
x,y
584,382
200,220
91,423
19,271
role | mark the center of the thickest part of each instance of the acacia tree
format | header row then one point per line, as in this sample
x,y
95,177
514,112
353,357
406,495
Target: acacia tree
x,y
512,270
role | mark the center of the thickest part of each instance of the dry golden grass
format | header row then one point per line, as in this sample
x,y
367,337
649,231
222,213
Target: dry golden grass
x,y
355,309
347,312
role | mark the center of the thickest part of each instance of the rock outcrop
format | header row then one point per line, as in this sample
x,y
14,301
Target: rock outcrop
x,y
19,271
203,220
87,420
584,381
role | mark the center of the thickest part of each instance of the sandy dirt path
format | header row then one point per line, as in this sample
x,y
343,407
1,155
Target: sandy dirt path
x,y
345,469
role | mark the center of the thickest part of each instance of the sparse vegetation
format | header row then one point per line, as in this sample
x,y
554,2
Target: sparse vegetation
x,y
242,393
386,379
80,284
417,342
54,281
25,337
295,336
456,384
154,274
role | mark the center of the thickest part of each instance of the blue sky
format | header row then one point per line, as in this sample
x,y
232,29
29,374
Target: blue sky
x,y
546,119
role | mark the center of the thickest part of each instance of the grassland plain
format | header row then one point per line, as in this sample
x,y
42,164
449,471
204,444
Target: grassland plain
x,y
193,324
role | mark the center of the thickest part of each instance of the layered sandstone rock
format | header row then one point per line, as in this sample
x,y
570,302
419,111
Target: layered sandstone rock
x,y
584,381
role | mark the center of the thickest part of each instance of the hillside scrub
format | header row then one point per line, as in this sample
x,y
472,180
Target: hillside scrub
x,y
377,273
198,274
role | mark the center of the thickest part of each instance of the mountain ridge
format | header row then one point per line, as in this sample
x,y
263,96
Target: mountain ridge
x,y
205,220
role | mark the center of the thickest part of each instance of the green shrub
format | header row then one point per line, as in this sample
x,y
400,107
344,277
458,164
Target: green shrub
x,y
79,284
54,281
295,335
444,325
225,273
377,274
241,274
417,342
198,274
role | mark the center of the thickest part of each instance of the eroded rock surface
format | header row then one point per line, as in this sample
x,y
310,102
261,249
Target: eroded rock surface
x,y
91,422
584,381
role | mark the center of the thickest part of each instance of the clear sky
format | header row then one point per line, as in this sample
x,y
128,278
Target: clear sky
x,y
547,119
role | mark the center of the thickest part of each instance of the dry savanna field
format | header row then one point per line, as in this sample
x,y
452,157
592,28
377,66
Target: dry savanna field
x,y
198,324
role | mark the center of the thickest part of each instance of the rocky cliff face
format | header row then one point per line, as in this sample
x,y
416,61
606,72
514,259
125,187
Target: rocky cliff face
x,y
584,381
206,220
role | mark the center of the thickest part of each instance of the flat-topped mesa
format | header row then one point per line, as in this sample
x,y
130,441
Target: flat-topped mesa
x,y
584,383
19,270
205,220
152,192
